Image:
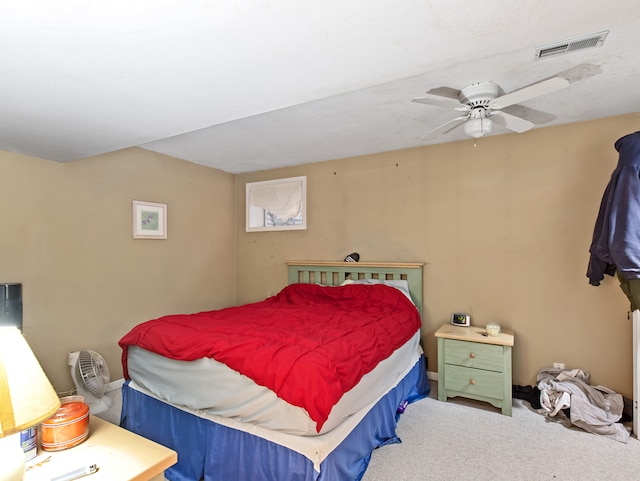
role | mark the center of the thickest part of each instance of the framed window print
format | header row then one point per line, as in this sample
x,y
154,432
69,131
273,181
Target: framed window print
x,y
149,220
277,205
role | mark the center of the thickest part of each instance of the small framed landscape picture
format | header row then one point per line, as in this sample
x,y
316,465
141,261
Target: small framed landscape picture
x,y
149,220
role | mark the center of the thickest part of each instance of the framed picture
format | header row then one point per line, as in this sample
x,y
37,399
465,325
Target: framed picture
x,y
149,220
277,204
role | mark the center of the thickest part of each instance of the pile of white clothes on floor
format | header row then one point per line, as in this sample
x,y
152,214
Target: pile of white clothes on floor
x,y
596,409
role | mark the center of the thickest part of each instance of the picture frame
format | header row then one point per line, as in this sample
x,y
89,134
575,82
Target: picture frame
x,y
279,204
149,220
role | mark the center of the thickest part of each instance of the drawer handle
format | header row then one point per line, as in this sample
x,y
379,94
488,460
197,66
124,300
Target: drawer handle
x,y
472,355
472,382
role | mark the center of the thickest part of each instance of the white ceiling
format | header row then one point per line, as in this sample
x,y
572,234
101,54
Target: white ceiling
x,y
248,85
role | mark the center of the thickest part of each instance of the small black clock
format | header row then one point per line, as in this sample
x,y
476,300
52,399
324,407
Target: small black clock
x,y
459,319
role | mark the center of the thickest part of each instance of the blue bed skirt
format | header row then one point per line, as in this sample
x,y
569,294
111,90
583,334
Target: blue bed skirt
x,y
214,452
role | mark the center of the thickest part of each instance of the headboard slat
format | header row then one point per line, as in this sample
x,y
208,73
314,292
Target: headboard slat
x,y
334,273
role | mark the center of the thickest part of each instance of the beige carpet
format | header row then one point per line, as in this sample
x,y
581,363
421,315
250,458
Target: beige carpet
x,y
468,440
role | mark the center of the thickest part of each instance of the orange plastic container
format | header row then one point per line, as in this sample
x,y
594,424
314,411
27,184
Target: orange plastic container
x,y
68,427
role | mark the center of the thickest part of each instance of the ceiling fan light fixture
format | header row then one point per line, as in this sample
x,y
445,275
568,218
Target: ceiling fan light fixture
x,y
478,127
482,100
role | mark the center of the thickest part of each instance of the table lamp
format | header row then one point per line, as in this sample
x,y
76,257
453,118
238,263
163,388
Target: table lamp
x,y
26,399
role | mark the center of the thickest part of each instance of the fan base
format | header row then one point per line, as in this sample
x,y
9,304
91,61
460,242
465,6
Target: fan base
x,y
479,94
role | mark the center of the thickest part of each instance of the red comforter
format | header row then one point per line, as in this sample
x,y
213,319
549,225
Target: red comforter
x,y
309,344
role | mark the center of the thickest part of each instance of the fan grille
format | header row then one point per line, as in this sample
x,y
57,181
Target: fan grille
x,y
94,372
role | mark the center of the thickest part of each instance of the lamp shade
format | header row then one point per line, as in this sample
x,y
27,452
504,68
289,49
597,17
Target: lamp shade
x,y
26,395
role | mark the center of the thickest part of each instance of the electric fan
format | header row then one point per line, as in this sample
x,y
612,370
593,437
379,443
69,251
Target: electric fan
x,y
481,104
90,374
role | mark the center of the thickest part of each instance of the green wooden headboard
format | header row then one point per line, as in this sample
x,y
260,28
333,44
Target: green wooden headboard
x,y
335,273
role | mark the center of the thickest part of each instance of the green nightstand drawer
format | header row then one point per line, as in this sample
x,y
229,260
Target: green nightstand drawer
x,y
474,381
473,354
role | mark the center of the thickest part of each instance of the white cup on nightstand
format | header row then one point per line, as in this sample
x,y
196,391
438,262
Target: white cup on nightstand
x,y
493,329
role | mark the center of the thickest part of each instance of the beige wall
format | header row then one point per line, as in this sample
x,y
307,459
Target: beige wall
x,y
503,227
66,235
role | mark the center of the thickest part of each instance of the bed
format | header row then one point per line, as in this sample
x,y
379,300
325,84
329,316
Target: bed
x,y
315,378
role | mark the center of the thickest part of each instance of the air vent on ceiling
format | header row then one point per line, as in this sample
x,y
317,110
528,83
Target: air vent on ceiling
x,y
568,46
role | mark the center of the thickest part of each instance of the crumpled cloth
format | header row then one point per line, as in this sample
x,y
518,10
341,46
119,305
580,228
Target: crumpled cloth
x,y
595,409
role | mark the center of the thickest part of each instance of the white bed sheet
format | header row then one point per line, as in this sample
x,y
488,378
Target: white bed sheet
x,y
213,389
315,448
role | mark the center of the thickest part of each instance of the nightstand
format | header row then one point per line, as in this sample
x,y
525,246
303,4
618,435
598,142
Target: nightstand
x,y
474,365
120,455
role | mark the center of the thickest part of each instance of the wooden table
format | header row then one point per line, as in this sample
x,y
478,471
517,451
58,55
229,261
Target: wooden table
x,y
120,455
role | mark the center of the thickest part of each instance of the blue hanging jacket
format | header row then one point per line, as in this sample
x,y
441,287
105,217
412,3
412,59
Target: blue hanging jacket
x,y
616,236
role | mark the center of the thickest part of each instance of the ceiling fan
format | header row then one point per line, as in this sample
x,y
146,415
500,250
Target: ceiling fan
x,y
484,103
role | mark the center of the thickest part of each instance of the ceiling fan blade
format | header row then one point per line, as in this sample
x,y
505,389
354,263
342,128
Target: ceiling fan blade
x,y
538,117
442,97
448,92
552,84
445,128
579,72
511,122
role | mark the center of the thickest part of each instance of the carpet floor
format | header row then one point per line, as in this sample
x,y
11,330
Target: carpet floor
x,y
463,439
